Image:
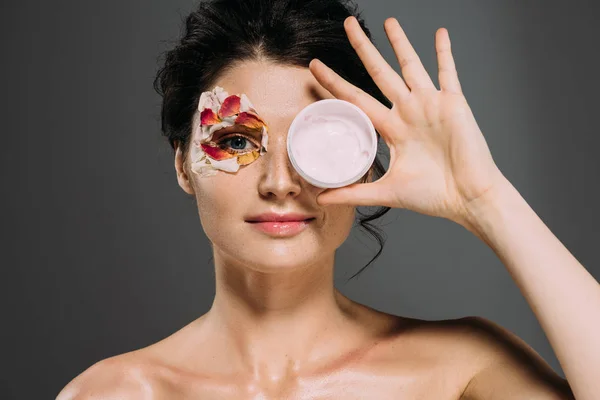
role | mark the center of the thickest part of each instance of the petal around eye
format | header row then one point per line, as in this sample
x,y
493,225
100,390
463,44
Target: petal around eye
x,y
230,165
204,170
208,117
230,106
245,104
208,131
249,120
201,164
207,100
247,158
196,152
216,153
211,99
264,140
220,94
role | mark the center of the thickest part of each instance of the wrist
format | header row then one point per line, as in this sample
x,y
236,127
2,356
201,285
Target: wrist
x,y
481,213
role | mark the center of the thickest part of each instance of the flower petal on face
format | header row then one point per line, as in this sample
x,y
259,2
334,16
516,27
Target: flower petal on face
x,y
206,101
249,120
211,99
230,106
209,117
196,152
203,170
201,165
230,165
220,94
245,104
207,131
216,153
248,158
264,140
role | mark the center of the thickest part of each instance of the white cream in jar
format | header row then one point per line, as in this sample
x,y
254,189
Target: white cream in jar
x,y
331,143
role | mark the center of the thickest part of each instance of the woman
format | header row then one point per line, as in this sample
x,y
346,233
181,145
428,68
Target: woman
x,y
278,329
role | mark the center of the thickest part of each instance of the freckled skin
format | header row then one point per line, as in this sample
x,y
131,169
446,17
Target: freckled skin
x,y
278,329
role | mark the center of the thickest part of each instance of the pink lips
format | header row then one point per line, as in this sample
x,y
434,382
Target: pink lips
x,y
281,225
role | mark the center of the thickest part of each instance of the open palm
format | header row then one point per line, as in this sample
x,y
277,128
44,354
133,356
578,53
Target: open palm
x,y
439,159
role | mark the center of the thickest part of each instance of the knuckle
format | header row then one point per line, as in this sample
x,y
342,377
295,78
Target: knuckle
x,y
356,95
404,61
447,70
328,79
444,51
376,71
408,60
360,45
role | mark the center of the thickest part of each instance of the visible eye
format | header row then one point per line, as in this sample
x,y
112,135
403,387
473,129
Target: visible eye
x,y
237,144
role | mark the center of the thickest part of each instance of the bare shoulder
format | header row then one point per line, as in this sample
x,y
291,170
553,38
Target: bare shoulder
x,y
141,374
500,363
126,376
472,358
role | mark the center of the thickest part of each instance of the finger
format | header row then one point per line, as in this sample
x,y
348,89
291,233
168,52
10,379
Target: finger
x,y
344,90
447,75
415,75
358,194
384,76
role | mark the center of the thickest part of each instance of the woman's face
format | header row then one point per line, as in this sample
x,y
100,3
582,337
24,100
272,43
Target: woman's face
x,y
227,201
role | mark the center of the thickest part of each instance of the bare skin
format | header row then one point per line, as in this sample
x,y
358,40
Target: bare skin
x,y
278,329
372,355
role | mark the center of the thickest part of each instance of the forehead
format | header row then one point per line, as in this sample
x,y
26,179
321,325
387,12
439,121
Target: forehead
x,y
278,92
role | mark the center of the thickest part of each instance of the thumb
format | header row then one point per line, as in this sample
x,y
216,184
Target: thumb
x,y
357,194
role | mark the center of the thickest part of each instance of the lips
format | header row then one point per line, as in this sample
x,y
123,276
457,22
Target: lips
x,y
274,217
281,225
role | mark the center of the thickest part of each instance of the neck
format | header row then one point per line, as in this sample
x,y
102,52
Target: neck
x,y
276,323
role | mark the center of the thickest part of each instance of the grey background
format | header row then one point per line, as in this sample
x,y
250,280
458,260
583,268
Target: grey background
x,y
103,253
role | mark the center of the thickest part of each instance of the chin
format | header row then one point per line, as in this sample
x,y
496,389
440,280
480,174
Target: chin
x,y
278,255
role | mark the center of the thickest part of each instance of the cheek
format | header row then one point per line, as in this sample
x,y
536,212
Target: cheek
x,y
218,201
340,220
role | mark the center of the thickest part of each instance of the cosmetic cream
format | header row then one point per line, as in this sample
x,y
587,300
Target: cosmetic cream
x,y
331,143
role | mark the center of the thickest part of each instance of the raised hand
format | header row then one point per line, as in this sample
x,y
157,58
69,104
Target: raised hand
x,y
439,159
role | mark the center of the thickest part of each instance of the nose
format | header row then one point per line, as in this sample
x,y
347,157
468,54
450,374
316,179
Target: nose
x,y
279,179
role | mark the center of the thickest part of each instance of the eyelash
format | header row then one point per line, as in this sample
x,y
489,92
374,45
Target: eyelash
x,y
221,144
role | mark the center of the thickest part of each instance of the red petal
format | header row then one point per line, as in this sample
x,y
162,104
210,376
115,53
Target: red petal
x,y
249,120
216,153
230,106
208,117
